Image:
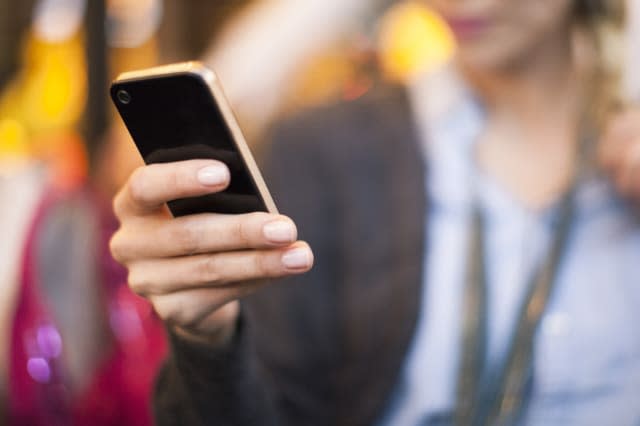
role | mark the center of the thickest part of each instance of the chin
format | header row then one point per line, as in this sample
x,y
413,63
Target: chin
x,y
485,59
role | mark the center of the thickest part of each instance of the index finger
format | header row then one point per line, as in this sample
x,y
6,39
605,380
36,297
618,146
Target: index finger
x,y
150,187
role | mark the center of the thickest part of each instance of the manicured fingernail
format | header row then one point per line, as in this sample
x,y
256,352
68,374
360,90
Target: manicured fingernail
x,y
279,231
213,175
298,258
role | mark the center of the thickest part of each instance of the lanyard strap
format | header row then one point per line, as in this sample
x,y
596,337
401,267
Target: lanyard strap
x,y
496,397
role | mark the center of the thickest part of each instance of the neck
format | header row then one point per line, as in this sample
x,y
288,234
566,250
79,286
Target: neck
x,y
532,121
539,90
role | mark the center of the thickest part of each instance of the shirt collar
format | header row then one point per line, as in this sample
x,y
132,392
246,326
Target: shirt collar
x,y
449,119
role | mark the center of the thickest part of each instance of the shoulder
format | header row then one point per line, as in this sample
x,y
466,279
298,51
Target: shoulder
x,y
329,127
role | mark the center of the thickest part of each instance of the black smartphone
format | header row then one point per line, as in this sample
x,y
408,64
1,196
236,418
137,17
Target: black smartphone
x,y
179,112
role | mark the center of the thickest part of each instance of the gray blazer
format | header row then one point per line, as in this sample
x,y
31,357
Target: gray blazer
x,y
325,348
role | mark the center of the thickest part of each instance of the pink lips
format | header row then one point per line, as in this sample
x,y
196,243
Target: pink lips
x,y
467,28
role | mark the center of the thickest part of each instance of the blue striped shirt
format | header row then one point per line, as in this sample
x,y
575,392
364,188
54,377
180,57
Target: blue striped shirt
x,y
587,349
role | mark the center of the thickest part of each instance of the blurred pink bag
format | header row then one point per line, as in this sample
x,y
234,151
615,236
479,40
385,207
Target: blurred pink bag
x,y
119,390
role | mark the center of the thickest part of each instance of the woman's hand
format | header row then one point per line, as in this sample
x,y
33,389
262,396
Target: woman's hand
x,y
619,153
193,269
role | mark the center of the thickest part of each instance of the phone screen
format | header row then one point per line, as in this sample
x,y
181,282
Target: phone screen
x,y
175,118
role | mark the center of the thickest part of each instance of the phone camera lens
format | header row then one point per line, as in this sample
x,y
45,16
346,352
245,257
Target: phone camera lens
x,y
124,97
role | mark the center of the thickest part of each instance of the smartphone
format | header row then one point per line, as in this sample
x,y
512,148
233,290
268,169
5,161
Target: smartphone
x,y
179,112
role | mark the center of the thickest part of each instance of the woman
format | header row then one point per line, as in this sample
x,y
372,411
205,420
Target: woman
x,y
500,289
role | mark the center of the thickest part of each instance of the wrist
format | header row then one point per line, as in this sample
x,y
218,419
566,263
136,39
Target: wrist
x,y
219,337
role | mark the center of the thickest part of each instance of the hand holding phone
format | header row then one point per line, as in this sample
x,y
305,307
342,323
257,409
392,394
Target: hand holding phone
x,y
219,247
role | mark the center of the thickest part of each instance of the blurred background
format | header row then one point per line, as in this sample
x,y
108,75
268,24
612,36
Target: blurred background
x,y
72,337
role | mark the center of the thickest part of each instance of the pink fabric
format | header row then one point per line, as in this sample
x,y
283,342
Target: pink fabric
x,y
120,389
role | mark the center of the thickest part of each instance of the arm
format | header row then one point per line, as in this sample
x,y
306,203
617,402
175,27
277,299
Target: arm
x,y
256,372
204,384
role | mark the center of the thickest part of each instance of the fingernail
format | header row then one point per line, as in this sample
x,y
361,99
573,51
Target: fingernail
x,y
279,231
213,175
299,258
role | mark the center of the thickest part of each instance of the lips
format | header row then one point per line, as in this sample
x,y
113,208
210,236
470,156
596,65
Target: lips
x,y
467,27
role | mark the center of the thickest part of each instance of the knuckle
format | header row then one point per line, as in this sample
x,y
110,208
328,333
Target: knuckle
x,y
167,312
138,281
261,265
117,205
177,179
186,238
184,179
207,270
178,311
116,247
174,179
240,233
157,302
248,227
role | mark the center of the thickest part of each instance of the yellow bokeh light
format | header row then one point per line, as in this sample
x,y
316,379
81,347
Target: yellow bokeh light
x,y
41,107
54,84
413,40
13,138
56,97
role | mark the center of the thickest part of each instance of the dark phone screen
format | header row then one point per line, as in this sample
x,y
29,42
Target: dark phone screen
x,y
175,118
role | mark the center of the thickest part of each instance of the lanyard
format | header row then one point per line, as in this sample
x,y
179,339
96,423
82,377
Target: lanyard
x,y
497,397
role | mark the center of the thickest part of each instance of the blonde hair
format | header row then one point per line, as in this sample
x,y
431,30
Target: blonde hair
x,y
601,23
